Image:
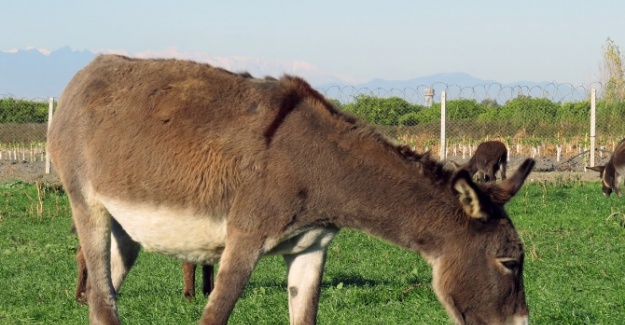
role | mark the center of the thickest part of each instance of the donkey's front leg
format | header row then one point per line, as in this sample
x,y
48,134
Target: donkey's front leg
x,y
242,252
304,280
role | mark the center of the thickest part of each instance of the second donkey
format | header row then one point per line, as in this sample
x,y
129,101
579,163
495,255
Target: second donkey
x,y
489,157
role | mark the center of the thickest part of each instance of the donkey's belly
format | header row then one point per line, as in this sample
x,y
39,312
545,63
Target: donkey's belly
x,y
175,232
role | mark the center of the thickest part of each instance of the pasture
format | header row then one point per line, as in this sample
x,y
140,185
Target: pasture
x,y
574,243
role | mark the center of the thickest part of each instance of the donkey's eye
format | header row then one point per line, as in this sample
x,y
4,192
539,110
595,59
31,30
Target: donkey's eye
x,y
510,264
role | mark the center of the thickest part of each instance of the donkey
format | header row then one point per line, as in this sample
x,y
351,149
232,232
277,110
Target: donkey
x,y
489,157
188,271
206,165
612,172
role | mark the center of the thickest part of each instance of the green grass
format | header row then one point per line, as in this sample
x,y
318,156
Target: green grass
x,y
574,274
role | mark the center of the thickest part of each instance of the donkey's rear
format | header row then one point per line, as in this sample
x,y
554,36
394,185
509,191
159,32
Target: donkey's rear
x,y
210,166
489,157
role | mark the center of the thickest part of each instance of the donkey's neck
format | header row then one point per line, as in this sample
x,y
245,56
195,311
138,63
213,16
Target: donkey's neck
x,y
404,200
409,215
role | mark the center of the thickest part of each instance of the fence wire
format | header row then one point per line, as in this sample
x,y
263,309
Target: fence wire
x,y
557,92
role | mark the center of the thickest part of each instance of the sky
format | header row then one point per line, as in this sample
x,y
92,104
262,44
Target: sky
x,y
329,40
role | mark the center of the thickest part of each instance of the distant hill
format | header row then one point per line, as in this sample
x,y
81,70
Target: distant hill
x,y
31,74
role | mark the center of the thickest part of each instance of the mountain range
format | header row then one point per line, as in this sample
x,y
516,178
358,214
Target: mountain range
x,y
32,74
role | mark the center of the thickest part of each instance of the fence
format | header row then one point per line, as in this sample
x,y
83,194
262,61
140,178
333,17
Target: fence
x,y
551,122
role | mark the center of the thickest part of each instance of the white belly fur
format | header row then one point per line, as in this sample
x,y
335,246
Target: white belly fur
x,y
175,232
197,238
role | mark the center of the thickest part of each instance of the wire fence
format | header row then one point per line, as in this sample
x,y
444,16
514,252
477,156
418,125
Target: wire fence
x,y
557,92
550,122
547,121
23,128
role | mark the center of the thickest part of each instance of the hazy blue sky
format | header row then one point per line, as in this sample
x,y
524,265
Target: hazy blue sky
x,y
558,40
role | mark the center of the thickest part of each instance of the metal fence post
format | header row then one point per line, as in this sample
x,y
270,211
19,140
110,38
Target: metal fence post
x,y
50,113
592,127
443,153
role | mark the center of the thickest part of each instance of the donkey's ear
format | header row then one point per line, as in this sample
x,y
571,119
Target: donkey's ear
x,y
596,168
503,192
468,194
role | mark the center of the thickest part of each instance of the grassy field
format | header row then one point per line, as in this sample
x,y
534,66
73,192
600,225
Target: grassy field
x,y
574,274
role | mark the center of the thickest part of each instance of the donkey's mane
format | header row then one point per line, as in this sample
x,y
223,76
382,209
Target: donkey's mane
x,y
300,89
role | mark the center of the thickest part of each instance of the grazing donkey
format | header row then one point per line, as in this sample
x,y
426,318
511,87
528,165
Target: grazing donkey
x,y
489,157
206,165
612,172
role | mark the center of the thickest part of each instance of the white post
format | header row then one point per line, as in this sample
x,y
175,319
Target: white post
x,y
592,127
50,113
443,153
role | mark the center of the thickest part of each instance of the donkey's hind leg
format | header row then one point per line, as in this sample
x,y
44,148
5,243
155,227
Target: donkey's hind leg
x,y
122,259
502,169
93,225
81,285
124,252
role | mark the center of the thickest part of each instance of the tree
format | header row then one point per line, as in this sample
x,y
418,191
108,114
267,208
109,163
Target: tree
x,y
613,77
529,113
22,111
381,111
460,109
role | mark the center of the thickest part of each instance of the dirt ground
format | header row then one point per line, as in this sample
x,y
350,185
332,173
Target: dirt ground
x,y
25,171
545,170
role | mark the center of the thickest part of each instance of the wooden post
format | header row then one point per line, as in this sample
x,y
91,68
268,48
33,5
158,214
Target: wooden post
x,y
50,113
592,128
443,153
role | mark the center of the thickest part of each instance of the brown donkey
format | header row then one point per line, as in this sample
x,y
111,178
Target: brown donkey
x,y
489,157
206,165
612,172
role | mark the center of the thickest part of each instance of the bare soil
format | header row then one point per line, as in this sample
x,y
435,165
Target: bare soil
x,y
25,171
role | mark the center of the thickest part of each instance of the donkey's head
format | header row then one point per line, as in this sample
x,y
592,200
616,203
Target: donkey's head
x,y
608,182
478,275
